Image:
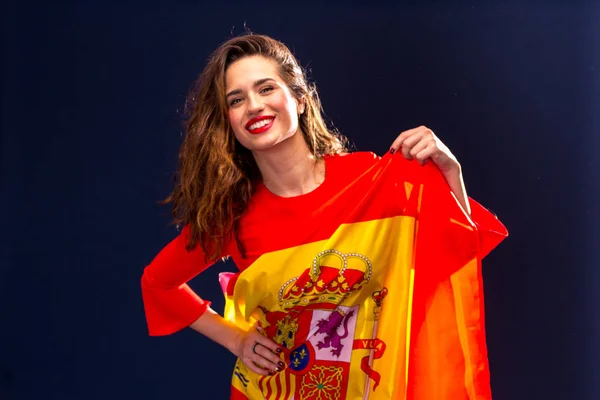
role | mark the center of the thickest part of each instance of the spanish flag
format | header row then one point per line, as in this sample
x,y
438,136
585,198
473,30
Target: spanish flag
x,y
372,286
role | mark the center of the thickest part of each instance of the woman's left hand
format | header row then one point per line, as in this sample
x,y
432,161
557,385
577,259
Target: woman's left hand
x,y
422,144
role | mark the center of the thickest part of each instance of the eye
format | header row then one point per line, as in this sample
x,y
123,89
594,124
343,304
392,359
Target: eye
x,y
266,89
234,102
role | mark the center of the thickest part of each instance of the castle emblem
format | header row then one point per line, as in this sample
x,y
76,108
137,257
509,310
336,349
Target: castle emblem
x,y
286,332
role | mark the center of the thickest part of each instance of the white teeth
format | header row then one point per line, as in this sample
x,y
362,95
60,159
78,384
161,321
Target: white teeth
x,y
260,124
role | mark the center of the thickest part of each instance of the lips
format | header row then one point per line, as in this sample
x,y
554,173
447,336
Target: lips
x,y
260,124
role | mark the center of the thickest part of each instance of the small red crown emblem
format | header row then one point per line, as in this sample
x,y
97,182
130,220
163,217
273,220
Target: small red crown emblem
x,y
379,295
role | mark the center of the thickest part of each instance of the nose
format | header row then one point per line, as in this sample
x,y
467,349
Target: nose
x,y
255,105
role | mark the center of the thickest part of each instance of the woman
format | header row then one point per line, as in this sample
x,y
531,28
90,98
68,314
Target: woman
x,y
359,275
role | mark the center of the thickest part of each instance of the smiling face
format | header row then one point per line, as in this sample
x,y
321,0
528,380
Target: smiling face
x,y
262,110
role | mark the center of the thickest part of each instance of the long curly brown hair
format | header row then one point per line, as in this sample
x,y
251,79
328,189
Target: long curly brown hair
x,y
216,175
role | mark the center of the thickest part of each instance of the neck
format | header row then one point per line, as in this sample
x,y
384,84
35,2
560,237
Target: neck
x,y
289,168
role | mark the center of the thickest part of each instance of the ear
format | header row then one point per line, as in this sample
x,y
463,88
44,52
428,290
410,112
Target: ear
x,y
301,106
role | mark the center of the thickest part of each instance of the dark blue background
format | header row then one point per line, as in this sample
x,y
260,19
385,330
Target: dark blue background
x,y
90,128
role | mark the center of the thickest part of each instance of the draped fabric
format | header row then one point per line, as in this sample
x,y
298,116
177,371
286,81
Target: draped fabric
x,y
371,284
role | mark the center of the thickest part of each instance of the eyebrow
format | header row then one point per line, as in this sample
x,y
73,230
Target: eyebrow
x,y
257,83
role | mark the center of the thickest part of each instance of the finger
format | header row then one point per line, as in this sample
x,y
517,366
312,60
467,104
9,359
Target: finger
x,y
397,144
425,154
268,349
267,366
418,147
406,152
415,138
268,343
402,137
268,359
248,362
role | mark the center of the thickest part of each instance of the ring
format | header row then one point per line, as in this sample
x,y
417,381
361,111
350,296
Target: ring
x,y
254,347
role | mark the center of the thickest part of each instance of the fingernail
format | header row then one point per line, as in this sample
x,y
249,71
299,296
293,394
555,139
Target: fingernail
x,y
278,350
392,151
281,364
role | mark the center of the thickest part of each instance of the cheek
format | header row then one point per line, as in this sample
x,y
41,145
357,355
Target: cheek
x,y
234,121
232,116
288,104
235,118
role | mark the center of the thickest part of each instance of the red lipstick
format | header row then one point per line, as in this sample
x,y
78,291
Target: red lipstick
x,y
263,128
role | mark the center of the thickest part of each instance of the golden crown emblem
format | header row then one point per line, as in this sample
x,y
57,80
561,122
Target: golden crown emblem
x,y
332,277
